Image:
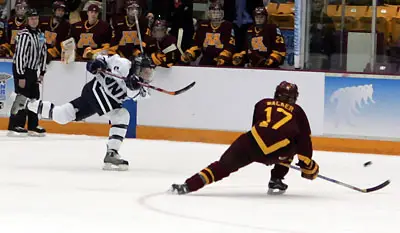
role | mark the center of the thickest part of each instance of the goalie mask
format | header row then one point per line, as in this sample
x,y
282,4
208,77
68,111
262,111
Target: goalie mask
x,y
159,30
21,7
215,12
143,67
260,15
133,8
286,92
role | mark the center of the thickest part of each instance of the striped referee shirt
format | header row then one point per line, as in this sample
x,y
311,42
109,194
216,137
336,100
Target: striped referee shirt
x,y
30,51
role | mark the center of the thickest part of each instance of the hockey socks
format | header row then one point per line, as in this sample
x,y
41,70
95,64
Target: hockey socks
x,y
213,173
42,108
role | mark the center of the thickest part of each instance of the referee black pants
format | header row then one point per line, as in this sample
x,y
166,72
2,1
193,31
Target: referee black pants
x,y
31,90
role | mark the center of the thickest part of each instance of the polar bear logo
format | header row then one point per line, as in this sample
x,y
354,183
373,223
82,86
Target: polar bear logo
x,y
348,102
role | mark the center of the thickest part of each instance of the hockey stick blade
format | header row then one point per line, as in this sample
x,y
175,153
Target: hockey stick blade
x,y
381,186
368,190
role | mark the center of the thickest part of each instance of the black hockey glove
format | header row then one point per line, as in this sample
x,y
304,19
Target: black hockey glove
x,y
96,65
132,82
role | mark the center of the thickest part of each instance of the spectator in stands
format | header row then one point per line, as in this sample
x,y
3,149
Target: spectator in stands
x,y
264,45
239,12
56,30
322,37
93,35
162,49
214,40
116,8
179,14
15,24
125,40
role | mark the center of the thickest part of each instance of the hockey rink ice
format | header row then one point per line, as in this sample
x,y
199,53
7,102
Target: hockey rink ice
x,y
56,185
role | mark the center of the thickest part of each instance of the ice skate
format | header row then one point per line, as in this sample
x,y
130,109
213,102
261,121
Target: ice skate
x,y
17,132
37,132
276,187
19,103
113,162
179,189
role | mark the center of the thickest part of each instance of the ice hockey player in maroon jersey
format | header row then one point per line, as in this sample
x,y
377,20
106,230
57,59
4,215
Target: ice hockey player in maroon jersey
x,y
280,131
56,29
163,49
214,39
125,39
264,44
92,36
15,24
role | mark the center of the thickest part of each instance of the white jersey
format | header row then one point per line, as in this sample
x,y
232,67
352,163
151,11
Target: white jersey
x,y
115,88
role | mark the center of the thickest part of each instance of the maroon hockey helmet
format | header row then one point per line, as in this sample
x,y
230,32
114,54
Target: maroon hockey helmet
x,y
286,92
260,15
215,12
159,29
59,4
133,7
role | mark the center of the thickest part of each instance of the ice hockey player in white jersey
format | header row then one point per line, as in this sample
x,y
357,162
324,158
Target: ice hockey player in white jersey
x,y
103,95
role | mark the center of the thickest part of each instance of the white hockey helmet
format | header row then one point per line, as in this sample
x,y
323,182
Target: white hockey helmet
x,y
143,67
119,66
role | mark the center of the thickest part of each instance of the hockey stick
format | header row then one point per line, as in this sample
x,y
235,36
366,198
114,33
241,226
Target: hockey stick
x,y
169,49
177,92
368,190
179,40
138,32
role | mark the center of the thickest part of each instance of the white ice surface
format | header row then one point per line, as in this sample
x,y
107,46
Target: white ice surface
x,y
56,185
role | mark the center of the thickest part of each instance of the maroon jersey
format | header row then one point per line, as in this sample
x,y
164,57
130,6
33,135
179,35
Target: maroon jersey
x,y
213,42
14,26
263,44
3,38
158,54
277,125
96,36
125,39
55,33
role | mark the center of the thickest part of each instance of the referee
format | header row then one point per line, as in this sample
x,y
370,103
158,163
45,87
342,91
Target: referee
x,y
29,59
